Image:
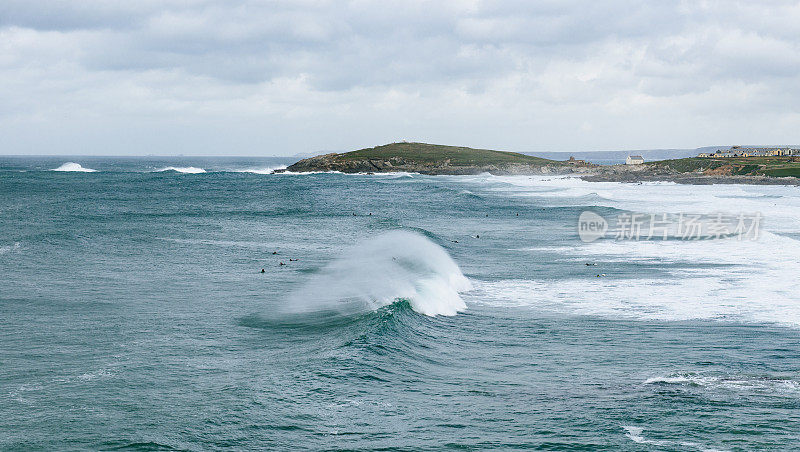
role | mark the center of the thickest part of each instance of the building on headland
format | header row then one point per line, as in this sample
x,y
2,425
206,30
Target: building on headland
x,y
573,161
634,160
745,151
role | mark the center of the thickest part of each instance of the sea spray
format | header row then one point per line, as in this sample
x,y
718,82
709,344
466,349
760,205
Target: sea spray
x,y
184,170
73,167
394,266
267,170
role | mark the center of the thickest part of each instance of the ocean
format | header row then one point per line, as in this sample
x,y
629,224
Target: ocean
x,y
394,311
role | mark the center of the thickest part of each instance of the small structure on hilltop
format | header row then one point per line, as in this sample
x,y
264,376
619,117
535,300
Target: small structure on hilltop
x,y
634,160
573,161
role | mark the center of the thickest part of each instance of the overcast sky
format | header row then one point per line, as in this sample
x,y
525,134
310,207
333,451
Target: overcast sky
x,y
229,77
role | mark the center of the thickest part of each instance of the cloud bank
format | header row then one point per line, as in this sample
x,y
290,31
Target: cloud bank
x,y
275,77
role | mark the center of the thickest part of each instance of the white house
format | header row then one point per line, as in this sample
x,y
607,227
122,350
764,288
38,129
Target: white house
x,y
634,160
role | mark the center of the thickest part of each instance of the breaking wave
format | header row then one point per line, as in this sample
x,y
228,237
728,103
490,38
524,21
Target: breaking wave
x,y
185,170
74,167
391,267
267,170
635,434
738,383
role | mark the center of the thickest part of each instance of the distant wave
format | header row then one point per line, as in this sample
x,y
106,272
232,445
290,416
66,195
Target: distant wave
x,y
312,172
9,248
634,433
391,267
72,166
185,170
736,383
267,170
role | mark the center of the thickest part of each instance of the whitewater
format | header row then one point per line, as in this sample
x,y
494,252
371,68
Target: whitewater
x,y
723,279
161,303
390,267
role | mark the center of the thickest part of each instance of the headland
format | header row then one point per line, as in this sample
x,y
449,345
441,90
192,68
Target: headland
x,y
436,159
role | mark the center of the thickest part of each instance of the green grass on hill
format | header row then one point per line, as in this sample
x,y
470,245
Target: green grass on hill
x,y
688,165
768,166
782,172
423,153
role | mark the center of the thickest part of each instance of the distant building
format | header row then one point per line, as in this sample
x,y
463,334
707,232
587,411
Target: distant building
x,y
634,160
745,151
573,161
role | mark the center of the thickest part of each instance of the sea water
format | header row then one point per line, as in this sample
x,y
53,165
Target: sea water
x,y
410,313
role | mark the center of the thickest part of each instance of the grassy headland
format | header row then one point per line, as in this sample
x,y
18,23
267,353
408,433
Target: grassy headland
x,y
431,154
772,166
427,159
440,159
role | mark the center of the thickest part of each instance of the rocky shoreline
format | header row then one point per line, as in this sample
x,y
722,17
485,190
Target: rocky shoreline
x,y
652,173
331,162
691,179
398,159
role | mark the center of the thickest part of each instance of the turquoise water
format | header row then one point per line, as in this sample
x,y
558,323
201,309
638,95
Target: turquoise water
x,y
134,314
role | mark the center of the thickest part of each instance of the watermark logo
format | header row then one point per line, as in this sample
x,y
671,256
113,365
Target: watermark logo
x,y
681,226
591,226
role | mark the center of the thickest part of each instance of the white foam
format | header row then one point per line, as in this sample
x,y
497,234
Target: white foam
x,y
780,204
635,434
305,173
9,248
88,376
736,383
267,170
729,280
74,167
397,265
746,281
185,170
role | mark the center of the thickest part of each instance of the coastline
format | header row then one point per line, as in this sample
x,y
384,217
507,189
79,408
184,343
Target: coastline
x,y
431,159
692,179
613,173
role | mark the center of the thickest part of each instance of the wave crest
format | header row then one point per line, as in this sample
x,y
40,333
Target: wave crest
x,y
185,170
74,167
267,170
397,265
741,383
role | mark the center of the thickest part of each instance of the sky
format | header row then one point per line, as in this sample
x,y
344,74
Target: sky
x,y
227,77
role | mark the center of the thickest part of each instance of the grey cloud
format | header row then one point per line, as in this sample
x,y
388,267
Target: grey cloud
x,y
563,59
346,45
